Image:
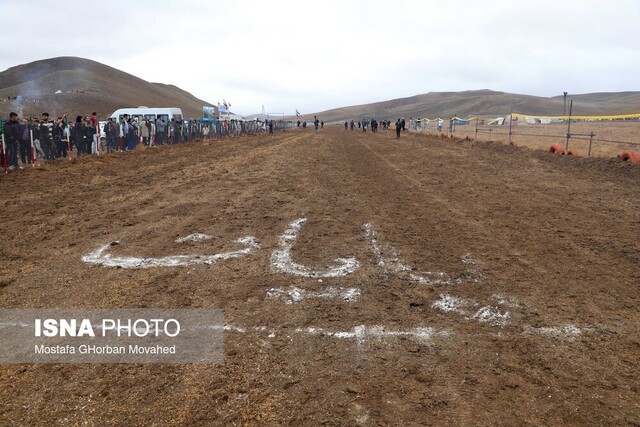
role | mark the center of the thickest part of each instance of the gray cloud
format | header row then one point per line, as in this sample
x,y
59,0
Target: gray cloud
x,y
312,56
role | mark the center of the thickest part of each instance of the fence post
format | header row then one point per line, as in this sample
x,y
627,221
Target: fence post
x,y
510,122
566,146
591,135
490,130
477,120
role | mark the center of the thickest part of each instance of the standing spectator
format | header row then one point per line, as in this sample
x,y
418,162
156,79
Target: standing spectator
x,y
110,132
58,137
77,135
124,132
161,129
131,136
404,128
25,143
95,135
12,137
173,126
152,136
67,133
46,136
89,131
35,128
440,123
145,131
193,130
398,128
316,122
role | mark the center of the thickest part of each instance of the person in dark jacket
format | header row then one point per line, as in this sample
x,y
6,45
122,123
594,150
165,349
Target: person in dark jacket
x,y
89,132
110,132
58,138
132,139
46,136
12,137
25,143
398,128
78,136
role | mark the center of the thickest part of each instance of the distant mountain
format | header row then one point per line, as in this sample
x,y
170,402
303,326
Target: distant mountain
x,y
85,86
485,103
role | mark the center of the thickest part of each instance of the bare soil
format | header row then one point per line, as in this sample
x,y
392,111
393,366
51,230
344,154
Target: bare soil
x,y
551,245
610,138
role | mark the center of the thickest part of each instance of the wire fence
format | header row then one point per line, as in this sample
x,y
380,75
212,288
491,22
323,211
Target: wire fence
x,y
588,136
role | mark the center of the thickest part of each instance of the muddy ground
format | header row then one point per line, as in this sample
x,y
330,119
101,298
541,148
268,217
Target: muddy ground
x,y
495,285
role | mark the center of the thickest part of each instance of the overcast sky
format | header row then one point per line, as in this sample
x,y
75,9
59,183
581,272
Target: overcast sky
x,y
312,56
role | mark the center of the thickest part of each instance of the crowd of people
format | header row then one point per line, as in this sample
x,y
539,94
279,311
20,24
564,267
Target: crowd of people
x,y
400,125
27,140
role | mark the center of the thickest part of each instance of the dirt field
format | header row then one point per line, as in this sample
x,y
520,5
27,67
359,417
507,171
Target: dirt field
x,y
490,284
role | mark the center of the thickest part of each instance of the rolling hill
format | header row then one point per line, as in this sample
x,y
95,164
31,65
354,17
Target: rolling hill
x,y
486,103
85,86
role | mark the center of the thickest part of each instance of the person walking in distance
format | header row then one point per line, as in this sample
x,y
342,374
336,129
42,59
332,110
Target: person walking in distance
x,y
316,123
398,128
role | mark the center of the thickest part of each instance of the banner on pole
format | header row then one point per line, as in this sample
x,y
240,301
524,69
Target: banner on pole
x,y
209,112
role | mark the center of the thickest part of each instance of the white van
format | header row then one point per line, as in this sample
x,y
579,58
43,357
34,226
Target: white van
x,y
152,114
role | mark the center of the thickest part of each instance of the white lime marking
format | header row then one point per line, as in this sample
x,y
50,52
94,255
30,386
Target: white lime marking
x,y
100,257
282,261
